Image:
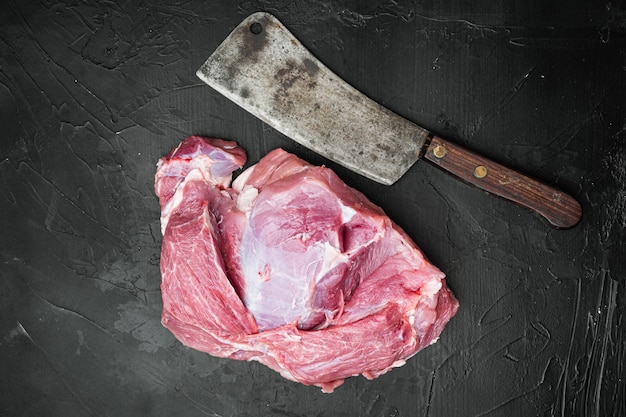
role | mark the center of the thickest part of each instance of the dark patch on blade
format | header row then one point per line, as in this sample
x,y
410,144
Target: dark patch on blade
x,y
224,67
250,43
311,67
297,82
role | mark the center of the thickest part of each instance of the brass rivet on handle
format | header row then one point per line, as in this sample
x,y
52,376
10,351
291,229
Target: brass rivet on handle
x,y
480,171
440,151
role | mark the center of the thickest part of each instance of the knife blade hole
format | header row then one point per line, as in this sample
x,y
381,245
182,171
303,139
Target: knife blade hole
x,y
256,28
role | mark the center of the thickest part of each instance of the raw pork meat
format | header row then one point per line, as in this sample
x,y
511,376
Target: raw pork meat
x,y
290,267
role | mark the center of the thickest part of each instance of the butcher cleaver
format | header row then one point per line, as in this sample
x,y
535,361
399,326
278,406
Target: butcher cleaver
x,y
263,68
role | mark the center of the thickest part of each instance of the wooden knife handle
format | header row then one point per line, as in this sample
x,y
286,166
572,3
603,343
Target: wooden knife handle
x,y
560,209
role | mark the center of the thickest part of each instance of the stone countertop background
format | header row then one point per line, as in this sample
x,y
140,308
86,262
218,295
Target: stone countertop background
x,y
92,94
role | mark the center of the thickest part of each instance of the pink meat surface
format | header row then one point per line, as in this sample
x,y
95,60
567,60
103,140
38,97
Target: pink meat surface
x,y
290,267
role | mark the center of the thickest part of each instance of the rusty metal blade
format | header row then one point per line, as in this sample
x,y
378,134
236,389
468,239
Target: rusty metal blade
x,y
263,68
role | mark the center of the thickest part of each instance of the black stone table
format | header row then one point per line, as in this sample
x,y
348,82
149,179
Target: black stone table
x,y
93,93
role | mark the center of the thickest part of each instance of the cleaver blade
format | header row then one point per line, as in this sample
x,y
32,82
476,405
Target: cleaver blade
x,y
263,68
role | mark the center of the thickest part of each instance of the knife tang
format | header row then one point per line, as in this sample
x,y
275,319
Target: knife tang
x,y
558,208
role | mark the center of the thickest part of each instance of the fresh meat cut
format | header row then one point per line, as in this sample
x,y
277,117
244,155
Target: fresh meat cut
x,y
290,267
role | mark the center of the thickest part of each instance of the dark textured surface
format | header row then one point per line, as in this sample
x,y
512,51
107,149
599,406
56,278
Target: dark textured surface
x,y
92,94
